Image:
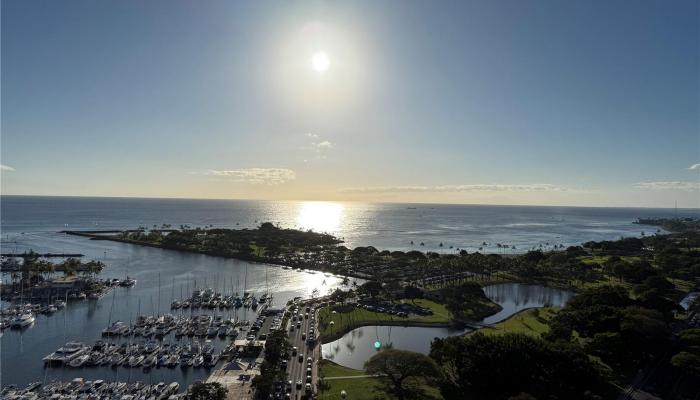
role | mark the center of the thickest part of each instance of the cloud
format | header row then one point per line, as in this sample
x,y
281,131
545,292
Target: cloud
x,y
267,176
694,166
323,145
536,187
317,146
675,185
6,168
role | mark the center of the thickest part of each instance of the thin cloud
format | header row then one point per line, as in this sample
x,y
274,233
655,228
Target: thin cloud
x,y
317,146
6,168
674,185
323,145
694,166
536,187
260,176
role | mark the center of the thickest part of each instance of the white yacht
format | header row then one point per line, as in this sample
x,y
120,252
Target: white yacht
x,y
23,320
66,353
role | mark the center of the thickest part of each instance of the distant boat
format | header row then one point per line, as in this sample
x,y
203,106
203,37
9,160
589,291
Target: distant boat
x,y
128,282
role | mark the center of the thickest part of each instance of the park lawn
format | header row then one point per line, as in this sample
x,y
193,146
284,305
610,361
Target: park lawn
x,y
356,388
532,322
331,369
440,313
600,259
342,320
682,286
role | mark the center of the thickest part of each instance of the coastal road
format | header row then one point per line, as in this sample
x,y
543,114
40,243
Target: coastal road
x,y
297,370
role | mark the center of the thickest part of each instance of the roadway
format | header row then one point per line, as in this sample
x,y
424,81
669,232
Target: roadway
x,y
297,370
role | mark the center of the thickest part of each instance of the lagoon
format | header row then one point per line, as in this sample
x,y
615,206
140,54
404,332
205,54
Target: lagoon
x,y
358,345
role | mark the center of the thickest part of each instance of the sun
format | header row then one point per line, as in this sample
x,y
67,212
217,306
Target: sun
x,y
320,62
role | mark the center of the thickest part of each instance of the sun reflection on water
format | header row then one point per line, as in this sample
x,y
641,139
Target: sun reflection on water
x,y
320,216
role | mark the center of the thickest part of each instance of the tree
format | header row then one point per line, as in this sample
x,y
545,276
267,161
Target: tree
x,y
207,391
689,363
402,372
500,366
412,292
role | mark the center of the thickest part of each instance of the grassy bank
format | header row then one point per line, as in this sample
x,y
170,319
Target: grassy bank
x,y
356,385
533,322
346,321
347,379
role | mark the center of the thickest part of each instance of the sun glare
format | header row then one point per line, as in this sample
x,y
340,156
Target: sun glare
x,y
320,61
320,216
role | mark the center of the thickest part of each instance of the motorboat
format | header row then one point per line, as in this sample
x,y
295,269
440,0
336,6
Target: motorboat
x,y
198,361
223,330
173,360
79,361
212,331
135,361
66,353
128,282
150,361
23,320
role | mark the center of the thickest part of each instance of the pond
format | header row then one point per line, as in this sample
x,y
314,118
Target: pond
x,y
358,345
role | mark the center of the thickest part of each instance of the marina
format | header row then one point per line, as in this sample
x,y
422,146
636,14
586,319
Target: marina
x,y
80,388
165,285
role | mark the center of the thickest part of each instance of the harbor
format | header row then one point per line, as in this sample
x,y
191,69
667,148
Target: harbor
x,y
98,388
179,317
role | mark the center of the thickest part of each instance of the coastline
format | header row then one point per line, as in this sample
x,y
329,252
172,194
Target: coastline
x,y
251,258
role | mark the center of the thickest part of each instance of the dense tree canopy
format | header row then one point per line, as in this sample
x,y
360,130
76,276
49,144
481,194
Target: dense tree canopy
x,y
402,372
503,366
207,391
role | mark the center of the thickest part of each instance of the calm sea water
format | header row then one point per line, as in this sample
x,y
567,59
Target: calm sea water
x,y
385,226
34,223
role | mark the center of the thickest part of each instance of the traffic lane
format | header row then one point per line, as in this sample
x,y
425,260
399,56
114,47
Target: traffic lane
x,y
296,368
293,367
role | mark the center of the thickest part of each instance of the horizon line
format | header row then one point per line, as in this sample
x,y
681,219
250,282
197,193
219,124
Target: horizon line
x,y
343,201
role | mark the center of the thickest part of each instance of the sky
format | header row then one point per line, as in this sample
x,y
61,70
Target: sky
x,y
590,103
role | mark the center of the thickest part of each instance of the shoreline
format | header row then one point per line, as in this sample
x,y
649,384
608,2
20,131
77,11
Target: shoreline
x,y
325,339
253,259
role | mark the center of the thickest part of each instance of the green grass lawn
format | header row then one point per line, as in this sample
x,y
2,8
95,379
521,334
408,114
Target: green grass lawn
x,y
600,259
440,313
361,316
356,388
531,322
331,369
682,285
